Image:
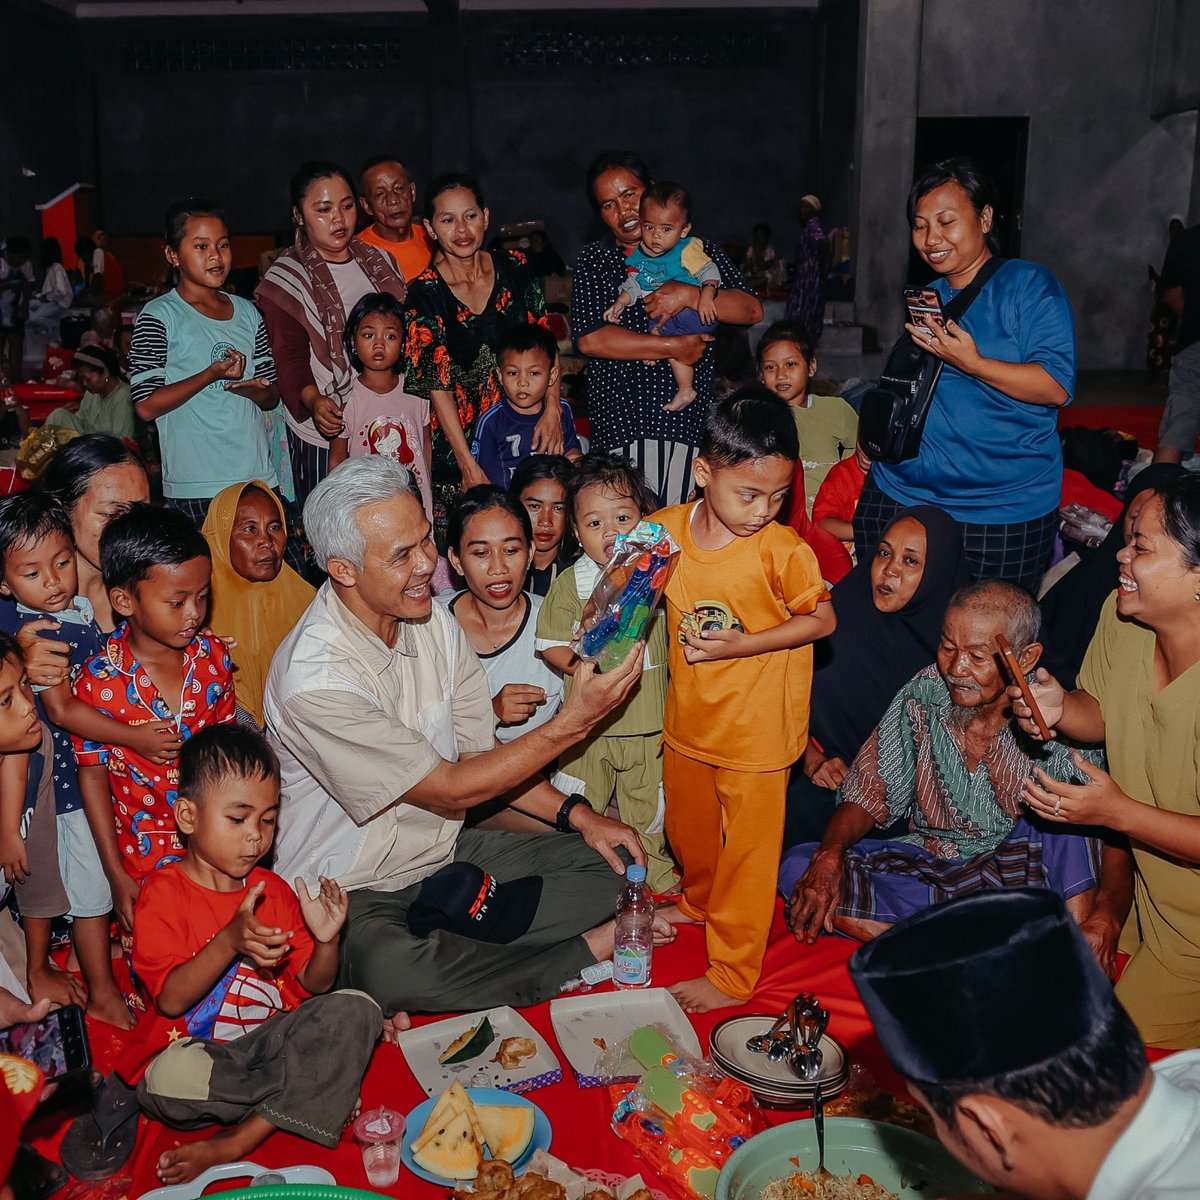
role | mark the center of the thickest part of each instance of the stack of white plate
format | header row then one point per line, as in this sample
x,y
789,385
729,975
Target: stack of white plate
x,y
775,1083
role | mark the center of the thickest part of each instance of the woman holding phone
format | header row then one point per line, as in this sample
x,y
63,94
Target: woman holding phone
x,y
1139,693
990,454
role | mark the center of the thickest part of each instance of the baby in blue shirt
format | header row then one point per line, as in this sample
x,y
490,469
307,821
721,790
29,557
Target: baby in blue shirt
x,y
667,254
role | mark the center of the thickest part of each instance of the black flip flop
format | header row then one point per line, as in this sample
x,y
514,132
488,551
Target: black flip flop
x,y
98,1144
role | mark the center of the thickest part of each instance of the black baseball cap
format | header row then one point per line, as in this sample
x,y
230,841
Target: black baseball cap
x,y
466,900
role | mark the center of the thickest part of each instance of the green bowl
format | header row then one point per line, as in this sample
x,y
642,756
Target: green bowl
x,y
898,1159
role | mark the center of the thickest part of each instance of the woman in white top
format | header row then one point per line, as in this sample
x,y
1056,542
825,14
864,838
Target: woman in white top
x,y
50,302
304,299
490,545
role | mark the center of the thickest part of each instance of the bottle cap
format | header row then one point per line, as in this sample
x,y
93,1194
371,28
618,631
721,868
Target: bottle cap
x,y
635,873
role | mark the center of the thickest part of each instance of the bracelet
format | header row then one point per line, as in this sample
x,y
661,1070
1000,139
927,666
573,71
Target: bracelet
x,y
562,822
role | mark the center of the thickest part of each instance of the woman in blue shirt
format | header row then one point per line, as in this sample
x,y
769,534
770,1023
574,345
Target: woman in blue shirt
x,y
990,454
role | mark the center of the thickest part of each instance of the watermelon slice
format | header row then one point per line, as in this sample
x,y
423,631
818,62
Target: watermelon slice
x,y
468,1045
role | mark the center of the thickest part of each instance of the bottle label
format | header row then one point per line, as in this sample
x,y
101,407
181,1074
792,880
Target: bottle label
x,y
630,968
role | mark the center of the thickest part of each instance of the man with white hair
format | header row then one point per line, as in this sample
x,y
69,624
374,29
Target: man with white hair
x,y
379,711
946,758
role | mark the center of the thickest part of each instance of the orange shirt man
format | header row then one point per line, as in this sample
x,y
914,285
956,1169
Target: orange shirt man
x,y
388,199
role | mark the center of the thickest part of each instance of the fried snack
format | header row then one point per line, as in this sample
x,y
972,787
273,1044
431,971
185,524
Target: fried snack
x,y
512,1050
495,1182
536,1187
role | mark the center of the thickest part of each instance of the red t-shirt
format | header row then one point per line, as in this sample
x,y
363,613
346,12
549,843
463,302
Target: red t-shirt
x,y
174,918
832,557
115,684
838,495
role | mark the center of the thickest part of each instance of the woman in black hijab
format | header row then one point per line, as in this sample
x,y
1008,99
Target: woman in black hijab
x,y
1071,608
889,612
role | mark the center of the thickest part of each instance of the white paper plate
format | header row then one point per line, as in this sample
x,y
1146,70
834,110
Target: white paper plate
x,y
582,1023
422,1046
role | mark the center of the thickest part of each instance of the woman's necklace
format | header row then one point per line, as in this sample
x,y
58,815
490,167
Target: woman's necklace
x,y
512,626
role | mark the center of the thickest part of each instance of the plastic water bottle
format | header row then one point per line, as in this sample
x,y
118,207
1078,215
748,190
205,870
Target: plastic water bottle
x,y
633,942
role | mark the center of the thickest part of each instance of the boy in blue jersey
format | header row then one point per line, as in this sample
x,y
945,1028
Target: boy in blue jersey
x,y
527,356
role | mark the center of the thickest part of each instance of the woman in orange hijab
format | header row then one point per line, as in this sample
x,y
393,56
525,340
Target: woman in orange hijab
x,y
256,597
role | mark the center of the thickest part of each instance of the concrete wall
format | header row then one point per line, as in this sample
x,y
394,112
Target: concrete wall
x,y
44,115
1103,176
741,145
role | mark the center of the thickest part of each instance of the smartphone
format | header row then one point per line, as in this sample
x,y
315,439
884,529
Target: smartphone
x,y
924,307
1018,677
57,1044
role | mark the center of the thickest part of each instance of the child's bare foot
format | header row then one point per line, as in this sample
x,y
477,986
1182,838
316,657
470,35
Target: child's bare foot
x,y
701,995
662,931
396,1024
184,1163
52,983
682,399
676,916
110,1007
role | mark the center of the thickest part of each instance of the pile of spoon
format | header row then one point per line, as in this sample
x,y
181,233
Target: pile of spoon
x,y
799,1043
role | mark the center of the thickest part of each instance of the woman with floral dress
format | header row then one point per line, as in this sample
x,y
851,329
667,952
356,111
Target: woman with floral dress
x,y
457,308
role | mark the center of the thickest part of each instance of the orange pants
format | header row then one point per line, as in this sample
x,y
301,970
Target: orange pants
x,y
726,829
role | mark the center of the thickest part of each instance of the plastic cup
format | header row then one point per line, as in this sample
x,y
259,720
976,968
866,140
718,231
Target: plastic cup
x,y
379,1132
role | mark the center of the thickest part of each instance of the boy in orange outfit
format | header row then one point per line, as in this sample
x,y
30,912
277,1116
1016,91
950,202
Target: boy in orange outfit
x,y
737,704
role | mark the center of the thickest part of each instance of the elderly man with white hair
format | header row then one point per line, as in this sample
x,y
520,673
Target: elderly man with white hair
x,y
379,711
947,759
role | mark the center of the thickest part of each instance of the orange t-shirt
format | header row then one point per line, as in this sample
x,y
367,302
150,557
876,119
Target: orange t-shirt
x,y
411,257
747,714
838,495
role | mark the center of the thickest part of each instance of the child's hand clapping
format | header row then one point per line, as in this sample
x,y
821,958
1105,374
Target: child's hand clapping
x,y
263,946
324,913
158,741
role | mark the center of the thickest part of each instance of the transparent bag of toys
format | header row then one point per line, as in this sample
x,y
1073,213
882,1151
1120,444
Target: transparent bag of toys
x,y
625,595
682,1117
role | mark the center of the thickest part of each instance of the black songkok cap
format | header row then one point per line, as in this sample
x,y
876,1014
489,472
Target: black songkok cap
x,y
982,986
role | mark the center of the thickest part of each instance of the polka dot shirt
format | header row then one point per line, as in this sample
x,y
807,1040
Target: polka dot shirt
x,y
625,397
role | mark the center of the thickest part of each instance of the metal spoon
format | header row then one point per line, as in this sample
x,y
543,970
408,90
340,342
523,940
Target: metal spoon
x,y
818,1111
760,1043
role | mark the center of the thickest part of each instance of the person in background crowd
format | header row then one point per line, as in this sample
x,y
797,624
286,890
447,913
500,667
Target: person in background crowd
x,y
629,379
806,300
990,454
388,198
541,484
16,286
1062,1107
107,405
51,301
304,298
763,269
1180,284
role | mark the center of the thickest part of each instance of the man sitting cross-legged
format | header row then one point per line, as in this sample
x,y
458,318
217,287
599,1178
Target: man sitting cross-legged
x,y
380,713
947,757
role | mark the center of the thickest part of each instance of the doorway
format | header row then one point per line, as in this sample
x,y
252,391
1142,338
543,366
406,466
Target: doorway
x,y
999,144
